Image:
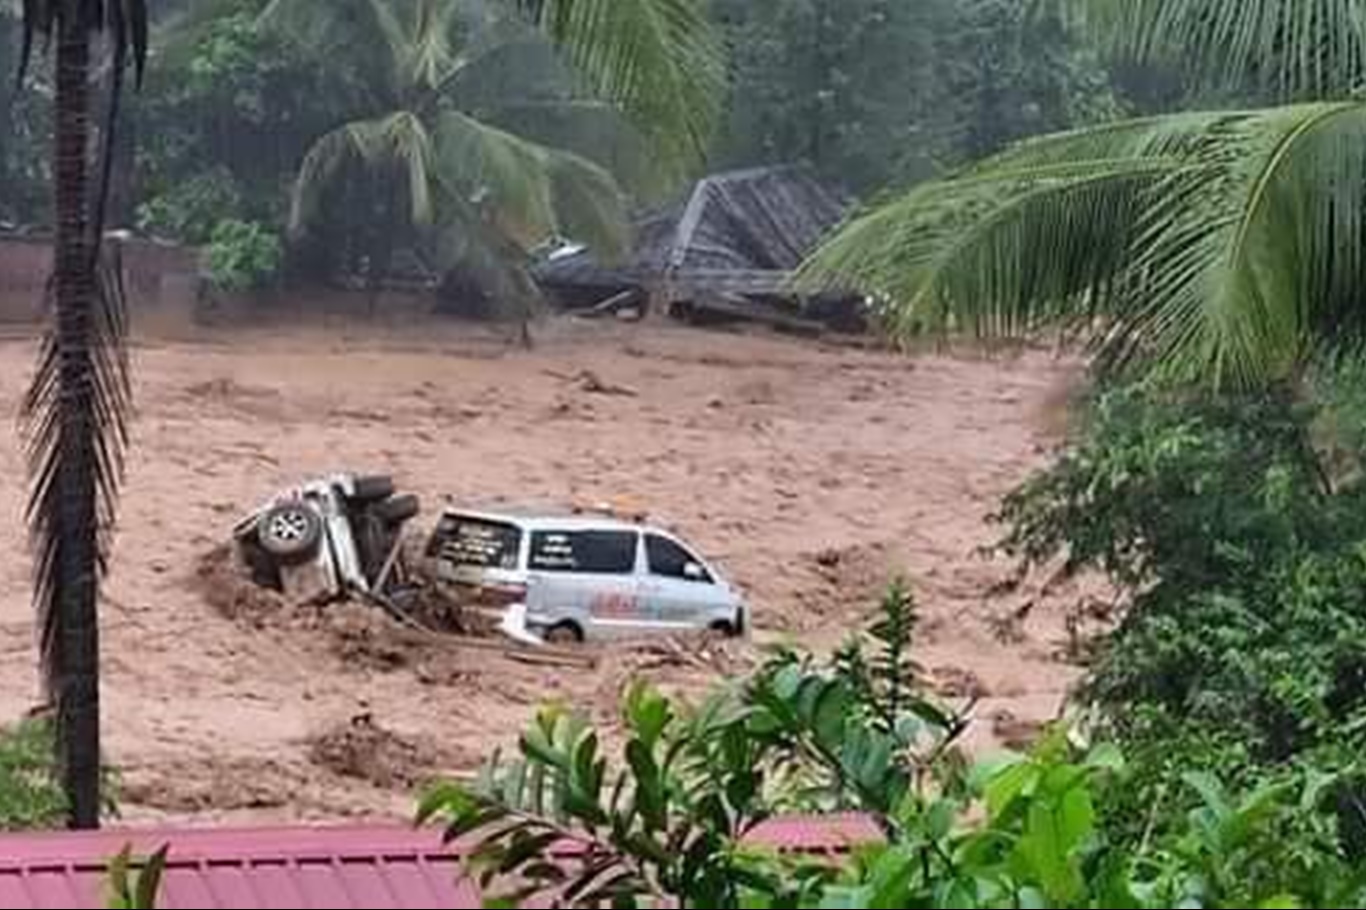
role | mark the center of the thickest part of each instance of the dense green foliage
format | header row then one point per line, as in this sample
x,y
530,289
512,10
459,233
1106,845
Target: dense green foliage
x,y
671,819
870,91
874,92
242,256
461,131
224,121
30,795
24,170
1235,530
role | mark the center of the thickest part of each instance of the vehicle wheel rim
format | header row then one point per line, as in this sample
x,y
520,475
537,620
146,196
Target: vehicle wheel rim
x,y
289,527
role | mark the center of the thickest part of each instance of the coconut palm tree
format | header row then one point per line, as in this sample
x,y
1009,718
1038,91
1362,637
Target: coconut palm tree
x,y
660,60
468,187
1222,247
1288,50
76,406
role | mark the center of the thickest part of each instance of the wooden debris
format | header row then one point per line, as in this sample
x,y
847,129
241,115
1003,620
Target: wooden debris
x,y
590,382
551,657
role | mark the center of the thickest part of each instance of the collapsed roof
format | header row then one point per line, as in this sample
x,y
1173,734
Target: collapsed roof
x,y
737,235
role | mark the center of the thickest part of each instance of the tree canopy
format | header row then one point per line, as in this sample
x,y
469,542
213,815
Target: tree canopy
x,y
1219,247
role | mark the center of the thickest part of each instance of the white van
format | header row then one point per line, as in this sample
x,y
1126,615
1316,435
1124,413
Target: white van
x,y
580,577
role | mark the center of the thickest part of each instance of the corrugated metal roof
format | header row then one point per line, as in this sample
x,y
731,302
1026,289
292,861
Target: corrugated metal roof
x,y
254,869
389,868
764,219
825,834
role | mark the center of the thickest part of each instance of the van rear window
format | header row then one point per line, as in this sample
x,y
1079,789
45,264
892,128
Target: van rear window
x,y
598,552
476,542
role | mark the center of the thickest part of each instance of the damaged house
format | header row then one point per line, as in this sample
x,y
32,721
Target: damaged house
x,y
726,253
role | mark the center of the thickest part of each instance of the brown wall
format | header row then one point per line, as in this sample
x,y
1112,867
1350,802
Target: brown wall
x,y
160,279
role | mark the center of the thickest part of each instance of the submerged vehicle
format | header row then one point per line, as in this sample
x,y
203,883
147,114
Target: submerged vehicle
x,y
574,577
328,538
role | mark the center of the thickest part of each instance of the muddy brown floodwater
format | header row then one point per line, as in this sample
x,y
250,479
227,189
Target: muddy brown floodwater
x,y
811,473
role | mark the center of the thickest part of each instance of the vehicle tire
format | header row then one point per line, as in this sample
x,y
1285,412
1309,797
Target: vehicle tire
x,y
290,531
723,629
397,510
373,488
564,634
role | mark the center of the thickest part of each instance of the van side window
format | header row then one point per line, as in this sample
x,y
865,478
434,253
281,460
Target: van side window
x,y
669,560
595,552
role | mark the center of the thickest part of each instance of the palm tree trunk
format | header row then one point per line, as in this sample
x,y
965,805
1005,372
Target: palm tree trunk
x,y
73,673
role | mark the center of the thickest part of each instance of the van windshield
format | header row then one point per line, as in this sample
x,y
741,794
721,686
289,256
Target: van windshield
x,y
478,543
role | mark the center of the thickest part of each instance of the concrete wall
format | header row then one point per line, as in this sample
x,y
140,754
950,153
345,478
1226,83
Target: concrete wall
x,y
160,280
164,299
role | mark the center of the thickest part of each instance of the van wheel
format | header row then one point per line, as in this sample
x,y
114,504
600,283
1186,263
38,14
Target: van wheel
x,y
723,629
566,633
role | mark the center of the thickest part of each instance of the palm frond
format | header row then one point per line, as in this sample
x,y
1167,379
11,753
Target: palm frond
x,y
1293,49
419,48
81,429
409,144
398,141
323,27
661,60
1222,247
396,36
589,205
433,54
465,243
499,173
419,36
526,189
595,130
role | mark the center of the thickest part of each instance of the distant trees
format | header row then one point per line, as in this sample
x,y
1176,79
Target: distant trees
x,y
467,132
24,143
874,92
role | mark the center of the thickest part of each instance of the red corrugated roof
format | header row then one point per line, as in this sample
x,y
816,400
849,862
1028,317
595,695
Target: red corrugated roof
x,y
389,868
255,869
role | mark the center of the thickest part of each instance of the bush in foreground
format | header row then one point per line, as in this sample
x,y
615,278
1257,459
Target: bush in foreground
x,y
669,821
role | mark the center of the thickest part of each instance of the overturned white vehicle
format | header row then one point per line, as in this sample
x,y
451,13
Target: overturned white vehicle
x,y
329,538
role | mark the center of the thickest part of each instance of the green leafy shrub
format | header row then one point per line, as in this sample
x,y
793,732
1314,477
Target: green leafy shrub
x,y
30,796
800,734
1242,645
243,256
191,209
668,822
